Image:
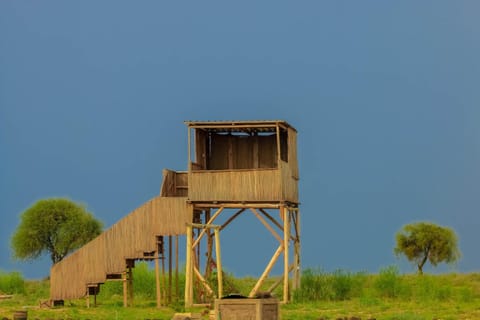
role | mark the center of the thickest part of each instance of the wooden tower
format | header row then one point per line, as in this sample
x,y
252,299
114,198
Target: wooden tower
x,y
241,166
233,168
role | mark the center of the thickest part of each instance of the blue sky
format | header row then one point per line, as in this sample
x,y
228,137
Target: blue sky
x,y
384,94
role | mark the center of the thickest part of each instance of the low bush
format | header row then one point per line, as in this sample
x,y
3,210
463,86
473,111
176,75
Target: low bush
x,y
12,283
388,282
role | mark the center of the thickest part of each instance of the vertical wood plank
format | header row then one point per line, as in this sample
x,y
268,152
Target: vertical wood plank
x,y
157,280
188,270
219,263
169,293
125,289
286,242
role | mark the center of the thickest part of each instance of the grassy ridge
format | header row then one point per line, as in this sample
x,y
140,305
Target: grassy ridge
x,y
386,295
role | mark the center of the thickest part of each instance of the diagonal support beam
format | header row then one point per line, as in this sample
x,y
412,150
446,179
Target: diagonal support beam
x,y
203,281
268,226
202,233
232,218
267,271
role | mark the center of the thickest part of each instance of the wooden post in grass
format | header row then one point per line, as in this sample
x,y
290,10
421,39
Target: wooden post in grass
x,y
286,244
219,262
189,269
157,280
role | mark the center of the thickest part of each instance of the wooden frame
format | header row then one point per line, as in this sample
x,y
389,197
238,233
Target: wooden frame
x,y
257,184
289,237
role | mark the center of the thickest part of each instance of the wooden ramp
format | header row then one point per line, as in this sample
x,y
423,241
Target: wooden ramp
x,y
133,237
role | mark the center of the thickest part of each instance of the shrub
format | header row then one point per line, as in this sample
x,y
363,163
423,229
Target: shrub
x,y
346,285
388,282
12,283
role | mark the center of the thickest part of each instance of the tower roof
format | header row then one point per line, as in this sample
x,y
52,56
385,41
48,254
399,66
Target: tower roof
x,y
239,126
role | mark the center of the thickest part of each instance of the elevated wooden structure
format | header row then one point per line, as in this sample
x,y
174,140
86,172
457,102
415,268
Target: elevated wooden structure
x,y
234,167
244,166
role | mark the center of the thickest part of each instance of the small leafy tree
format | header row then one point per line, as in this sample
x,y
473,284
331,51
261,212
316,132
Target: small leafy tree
x,y
56,226
421,242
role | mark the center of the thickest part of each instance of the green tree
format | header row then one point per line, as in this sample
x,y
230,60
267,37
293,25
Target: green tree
x,y
423,241
56,226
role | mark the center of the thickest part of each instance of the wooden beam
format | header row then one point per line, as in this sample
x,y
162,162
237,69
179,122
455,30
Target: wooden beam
x,y
255,152
297,244
275,222
286,244
280,280
157,280
232,218
266,272
203,281
177,283
278,146
189,269
169,293
189,150
237,205
125,289
215,215
130,284
265,223
219,262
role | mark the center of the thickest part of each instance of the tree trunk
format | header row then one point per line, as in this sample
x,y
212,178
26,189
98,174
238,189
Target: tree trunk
x,y
421,264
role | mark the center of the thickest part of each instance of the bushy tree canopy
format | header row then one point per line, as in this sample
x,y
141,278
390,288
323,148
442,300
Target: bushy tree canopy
x,y
56,226
421,242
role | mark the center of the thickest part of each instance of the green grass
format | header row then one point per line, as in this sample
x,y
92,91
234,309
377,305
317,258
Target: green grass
x,y
387,295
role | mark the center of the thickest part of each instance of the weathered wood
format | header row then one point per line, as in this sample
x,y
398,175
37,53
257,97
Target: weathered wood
x,y
189,269
202,233
219,262
130,238
157,281
280,280
233,217
203,281
286,244
125,290
235,185
266,272
296,272
268,226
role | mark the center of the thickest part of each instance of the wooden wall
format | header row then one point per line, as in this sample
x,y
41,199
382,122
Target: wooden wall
x,y
244,168
241,152
174,183
235,185
127,239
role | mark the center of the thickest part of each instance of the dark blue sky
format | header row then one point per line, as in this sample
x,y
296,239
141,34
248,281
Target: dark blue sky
x,y
385,96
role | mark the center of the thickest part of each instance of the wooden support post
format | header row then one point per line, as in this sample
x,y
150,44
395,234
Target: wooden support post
x,y
215,215
163,280
130,285
189,269
177,284
169,293
267,271
219,263
189,151
278,146
87,300
286,244
157,280
125,289
296,272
